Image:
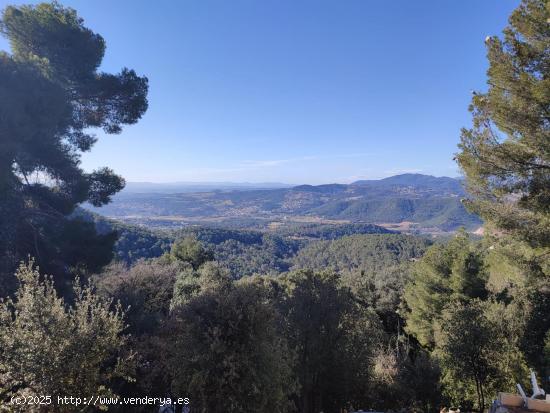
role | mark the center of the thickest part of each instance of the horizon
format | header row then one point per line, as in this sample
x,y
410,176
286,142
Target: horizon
x,y
280,183
300,93
302,206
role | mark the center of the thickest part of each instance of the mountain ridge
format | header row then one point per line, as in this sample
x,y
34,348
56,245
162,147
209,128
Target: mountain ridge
x,y
426,202
400,179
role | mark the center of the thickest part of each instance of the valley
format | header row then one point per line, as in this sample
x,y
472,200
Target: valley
x,y
411,203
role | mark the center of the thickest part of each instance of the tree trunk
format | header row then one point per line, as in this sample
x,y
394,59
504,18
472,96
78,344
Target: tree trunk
x,y
482,406
479,395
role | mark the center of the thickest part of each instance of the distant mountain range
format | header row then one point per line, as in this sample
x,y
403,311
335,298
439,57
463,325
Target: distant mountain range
x,y
411,202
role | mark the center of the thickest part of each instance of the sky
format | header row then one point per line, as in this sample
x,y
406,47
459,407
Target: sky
x,y
293,91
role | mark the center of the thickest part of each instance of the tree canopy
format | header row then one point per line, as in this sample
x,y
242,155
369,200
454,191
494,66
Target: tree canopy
x,y
312,318
53,96
49,348
506,154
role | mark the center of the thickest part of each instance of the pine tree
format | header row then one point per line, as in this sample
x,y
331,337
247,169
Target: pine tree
x,y
52,96
452,272
506,160
506,154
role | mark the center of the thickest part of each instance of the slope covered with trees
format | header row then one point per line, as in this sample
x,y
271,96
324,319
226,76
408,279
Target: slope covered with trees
x,y
431,203
301,318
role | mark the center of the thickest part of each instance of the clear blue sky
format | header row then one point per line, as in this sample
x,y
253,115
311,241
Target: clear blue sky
x,y
296,91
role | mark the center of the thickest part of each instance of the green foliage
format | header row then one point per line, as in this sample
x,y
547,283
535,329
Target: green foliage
x,y
477,353
534,301
270,256
466,347
506,154
143,290
446,273
476,336
191,283
50,348
245,252
375,267
53,96
191,251
334,339
325,327
226,353
328,231
368,253
134,243
216,236
445,213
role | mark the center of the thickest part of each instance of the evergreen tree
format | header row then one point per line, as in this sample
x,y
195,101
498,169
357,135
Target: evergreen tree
x,y
190,250
52,96
452,272
506,154
506,160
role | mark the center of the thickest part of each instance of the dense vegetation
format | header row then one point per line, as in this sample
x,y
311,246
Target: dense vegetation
x,y
242,252
49,349
304,318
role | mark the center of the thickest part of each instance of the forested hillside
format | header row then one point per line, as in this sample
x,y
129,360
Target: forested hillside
x,y
425,203
366,253
242,252
265,300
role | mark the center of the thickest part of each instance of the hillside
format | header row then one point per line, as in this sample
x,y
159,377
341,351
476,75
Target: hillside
x,y
244,252
408,202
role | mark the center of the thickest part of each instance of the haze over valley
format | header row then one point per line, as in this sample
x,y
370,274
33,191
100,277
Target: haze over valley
x,y
408,203
275,206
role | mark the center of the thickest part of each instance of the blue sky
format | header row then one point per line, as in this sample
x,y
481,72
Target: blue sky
x,y
295,91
